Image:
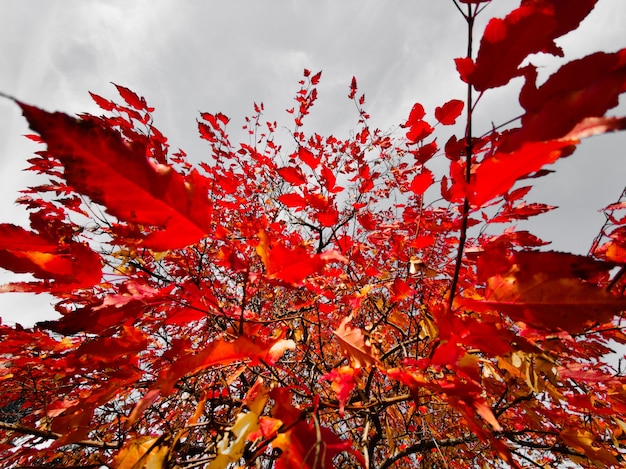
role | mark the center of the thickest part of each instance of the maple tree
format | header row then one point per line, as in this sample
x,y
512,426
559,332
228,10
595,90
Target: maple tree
x,y
327,302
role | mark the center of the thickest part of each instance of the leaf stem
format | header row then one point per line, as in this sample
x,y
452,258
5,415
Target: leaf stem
x,y
468,165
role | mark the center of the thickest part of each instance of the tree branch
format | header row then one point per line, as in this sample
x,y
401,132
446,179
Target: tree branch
x,y
23,429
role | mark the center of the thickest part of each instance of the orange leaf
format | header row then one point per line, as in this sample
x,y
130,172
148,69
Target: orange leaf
x,y
353,343
142,453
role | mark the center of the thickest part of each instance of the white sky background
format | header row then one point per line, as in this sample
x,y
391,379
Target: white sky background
x,y
187,56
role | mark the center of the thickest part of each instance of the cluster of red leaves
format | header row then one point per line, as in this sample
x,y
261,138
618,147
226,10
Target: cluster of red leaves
x,y
308,307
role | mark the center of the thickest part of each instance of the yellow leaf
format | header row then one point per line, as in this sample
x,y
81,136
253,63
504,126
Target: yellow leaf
x,y
230,450
142,453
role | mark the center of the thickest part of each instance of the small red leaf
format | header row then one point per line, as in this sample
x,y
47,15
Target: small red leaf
x,y
104,104
419,131
448,113
416,115
293,200
422,181
353,88
328,218
308,158
315,79
292,175
291,265
131,98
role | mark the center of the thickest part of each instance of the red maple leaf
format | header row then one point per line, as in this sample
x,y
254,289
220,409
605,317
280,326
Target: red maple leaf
x,y
100,165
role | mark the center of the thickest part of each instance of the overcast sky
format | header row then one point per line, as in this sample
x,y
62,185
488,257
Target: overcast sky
x,y
187,56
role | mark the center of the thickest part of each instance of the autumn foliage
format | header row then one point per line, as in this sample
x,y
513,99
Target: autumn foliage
x,y
324,301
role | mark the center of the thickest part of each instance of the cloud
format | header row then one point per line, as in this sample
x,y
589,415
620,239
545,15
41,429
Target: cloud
x,y
195,55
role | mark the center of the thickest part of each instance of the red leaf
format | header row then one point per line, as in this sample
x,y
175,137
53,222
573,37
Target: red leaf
x,y
343,381
419,131
221,352
103,350
497,174
217,121
291,265
546,290
329,217
301,448
590,126
70,265
353,88
131,98
330,180
422,181
315,79
529,29
367,221
292,175
582,89
308,158
99,164
522,211
117,309
448,113
293,200
416,115
464,396
102,102
425,152
401,290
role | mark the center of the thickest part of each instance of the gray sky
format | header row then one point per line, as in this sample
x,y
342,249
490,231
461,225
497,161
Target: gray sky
x,y
187,56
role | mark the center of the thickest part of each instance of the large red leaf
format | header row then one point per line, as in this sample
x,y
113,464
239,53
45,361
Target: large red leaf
x,y
101,351
546,290
306,447
464,396
293,200
99,164
114,310
529,29
497,173
302,444
69,265
422,181
582,89
221,352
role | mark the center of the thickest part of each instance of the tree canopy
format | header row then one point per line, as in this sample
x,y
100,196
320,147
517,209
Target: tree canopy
x,y
325,301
